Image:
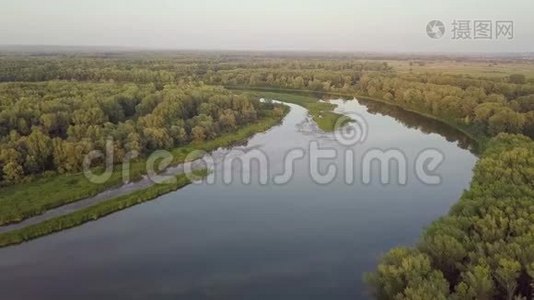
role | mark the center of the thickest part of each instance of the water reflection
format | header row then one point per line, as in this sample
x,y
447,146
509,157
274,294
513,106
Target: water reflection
x,y
421,123
408,119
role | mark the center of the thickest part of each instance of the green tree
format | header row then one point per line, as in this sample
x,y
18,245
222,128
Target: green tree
x,y
39,147
518,78
506,120
476,283
507,274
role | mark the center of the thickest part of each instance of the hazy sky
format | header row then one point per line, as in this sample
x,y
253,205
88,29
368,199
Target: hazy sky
x,y
326,25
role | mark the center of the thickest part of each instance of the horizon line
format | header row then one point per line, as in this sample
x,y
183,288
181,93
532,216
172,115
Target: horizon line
x,y
119,49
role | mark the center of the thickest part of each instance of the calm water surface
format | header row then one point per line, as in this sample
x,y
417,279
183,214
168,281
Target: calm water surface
x,y
295,241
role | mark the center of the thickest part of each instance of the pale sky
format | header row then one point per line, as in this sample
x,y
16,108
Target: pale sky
x,y
326,25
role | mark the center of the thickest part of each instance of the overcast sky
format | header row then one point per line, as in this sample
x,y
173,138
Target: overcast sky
x,y
317,25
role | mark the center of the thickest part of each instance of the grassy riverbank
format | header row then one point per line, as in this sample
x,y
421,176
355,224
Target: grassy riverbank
x,y
93,212
21,201
321,112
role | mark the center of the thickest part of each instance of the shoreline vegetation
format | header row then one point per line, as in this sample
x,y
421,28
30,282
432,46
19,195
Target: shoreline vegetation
x,y
93,212
109,206
61,189
321,112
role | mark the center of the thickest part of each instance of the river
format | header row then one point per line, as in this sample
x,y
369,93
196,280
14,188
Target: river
x,y
298,240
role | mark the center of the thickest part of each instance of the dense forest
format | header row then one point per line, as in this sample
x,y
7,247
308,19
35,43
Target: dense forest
x,y
49,126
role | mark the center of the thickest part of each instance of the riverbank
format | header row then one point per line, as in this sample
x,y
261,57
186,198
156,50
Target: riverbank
x,y
92,213
22,201
475,135
321,112
111,193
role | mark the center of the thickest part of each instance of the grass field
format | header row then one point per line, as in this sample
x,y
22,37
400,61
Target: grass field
x,y
490,69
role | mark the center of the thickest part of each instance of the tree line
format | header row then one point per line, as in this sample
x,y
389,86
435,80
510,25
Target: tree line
x,y
487,105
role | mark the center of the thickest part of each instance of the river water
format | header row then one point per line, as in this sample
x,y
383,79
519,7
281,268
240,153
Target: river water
x,y
298,240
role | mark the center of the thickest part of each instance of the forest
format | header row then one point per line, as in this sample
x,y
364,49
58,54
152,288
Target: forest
x,y
45,127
